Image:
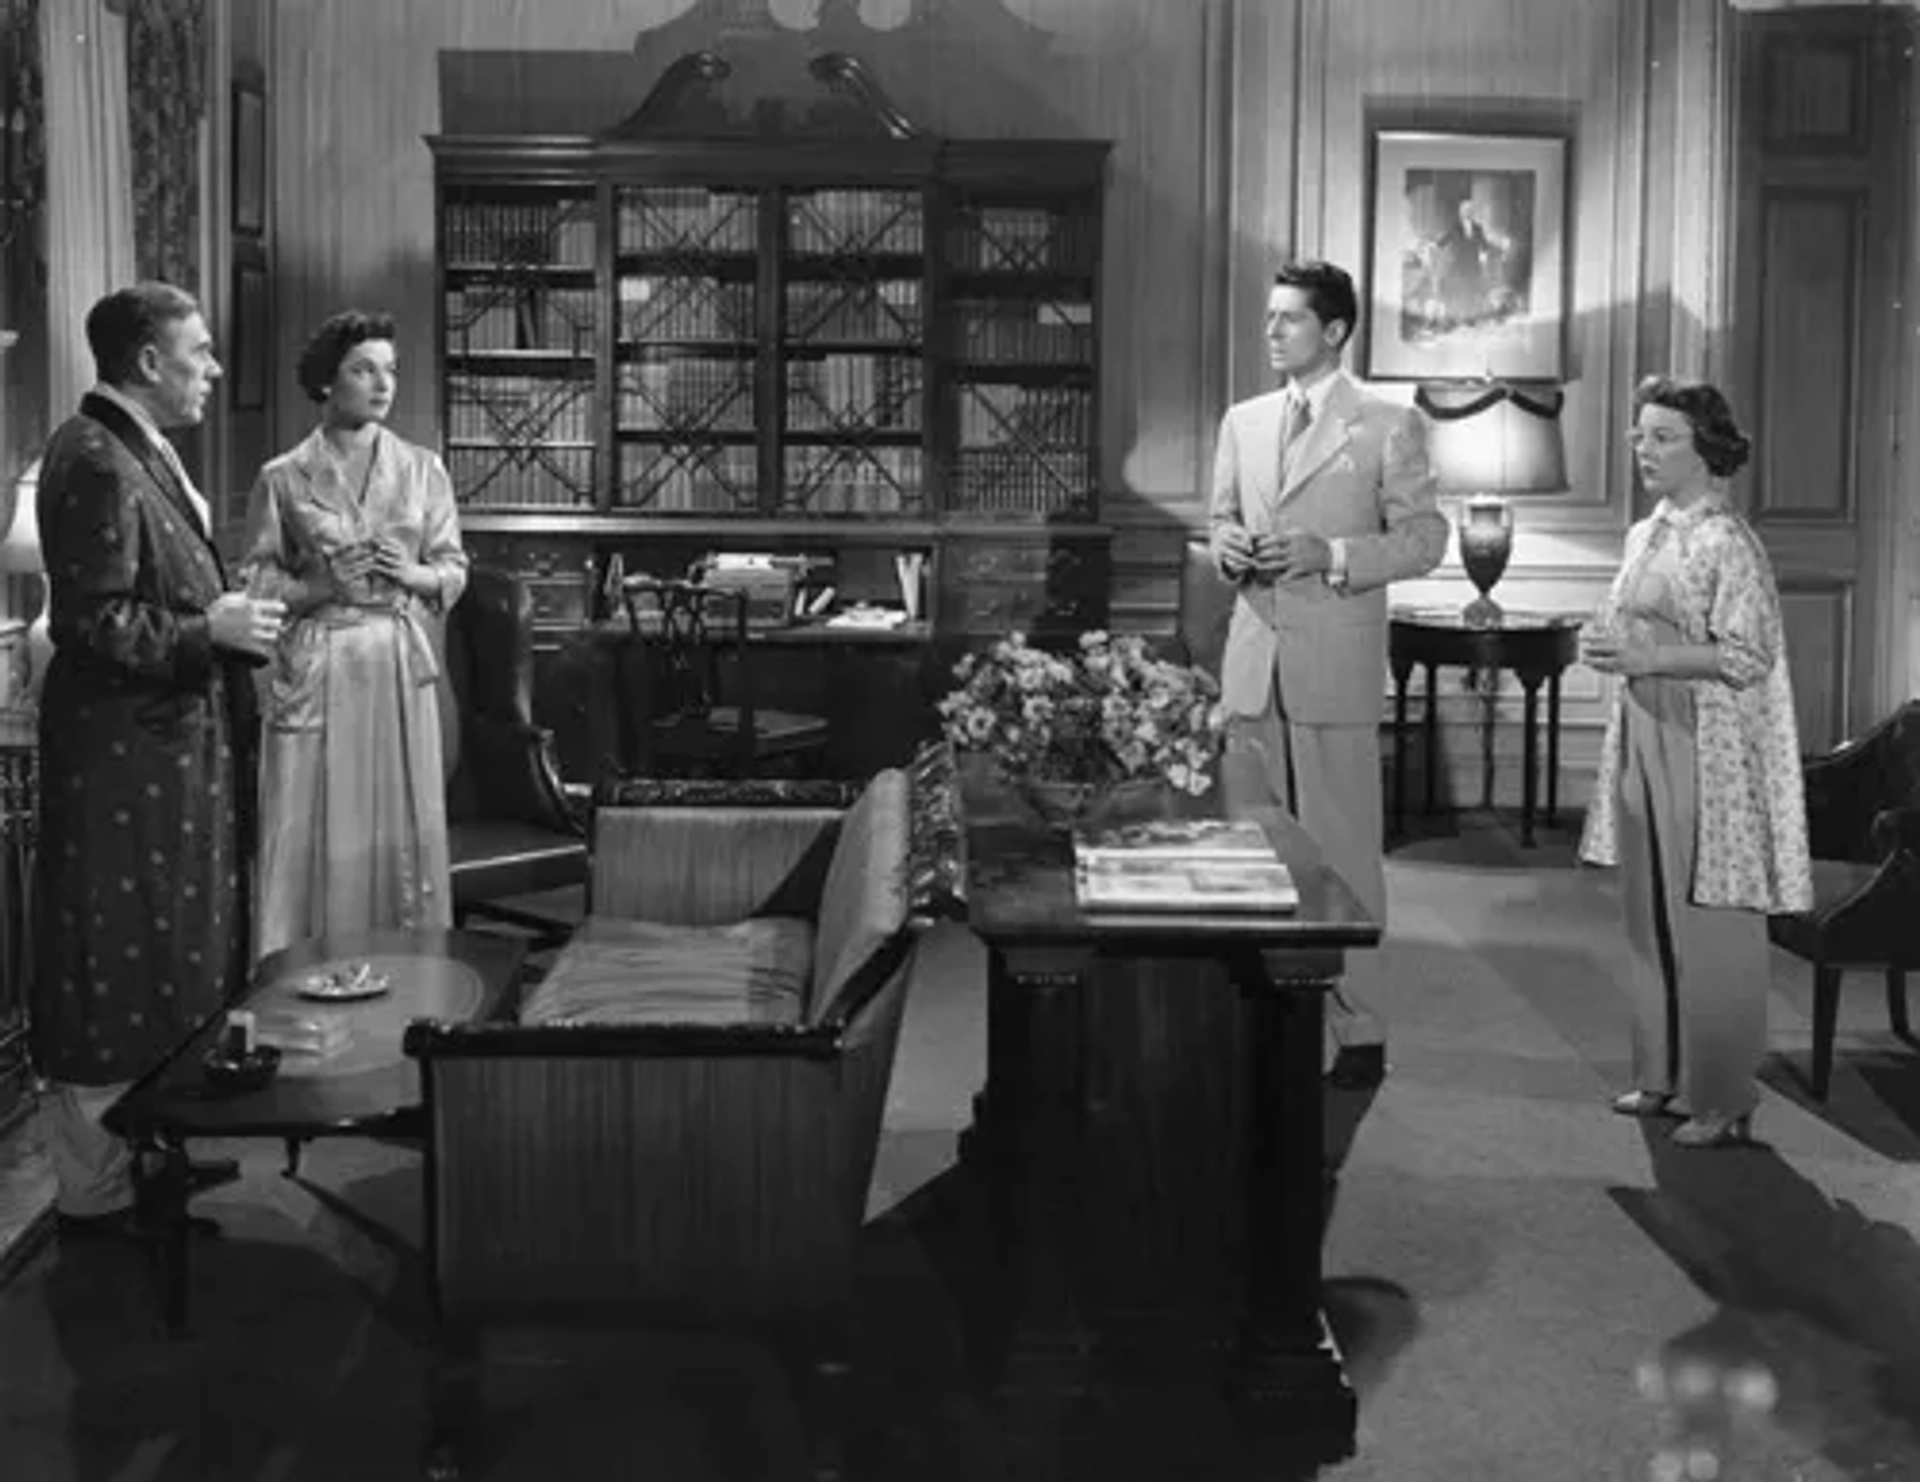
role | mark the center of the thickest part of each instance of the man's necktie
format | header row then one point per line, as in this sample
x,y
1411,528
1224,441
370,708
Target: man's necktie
x,y
1298,418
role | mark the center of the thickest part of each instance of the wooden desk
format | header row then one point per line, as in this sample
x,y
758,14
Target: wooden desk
x,y
1150,1133
1536,647
875,686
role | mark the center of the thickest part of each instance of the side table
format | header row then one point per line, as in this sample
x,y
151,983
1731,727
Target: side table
x,y
1537,647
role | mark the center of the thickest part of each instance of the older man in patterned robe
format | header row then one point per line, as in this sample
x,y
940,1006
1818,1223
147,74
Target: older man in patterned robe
x,y
146,735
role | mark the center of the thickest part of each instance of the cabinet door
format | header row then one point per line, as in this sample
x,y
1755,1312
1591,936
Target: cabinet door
x,y
1021,273
688,400
519,338
852,353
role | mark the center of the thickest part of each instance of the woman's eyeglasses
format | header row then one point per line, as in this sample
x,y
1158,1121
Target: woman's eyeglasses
x,y
1660,439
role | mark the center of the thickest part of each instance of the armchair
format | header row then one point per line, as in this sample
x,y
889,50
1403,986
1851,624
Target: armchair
x,y
678,1127
1863,822
511,830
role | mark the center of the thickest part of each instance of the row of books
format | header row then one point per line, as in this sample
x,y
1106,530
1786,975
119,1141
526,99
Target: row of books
x,y
518,408
1005,481
844,222
685,308
670,218
538,317
543,476
1181,865
1025,416
556,233
852,480
1021,239
1046,333
887,310
718,480
685,394
854,392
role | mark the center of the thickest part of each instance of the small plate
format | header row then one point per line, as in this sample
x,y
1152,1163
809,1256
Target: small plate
x,y
344,984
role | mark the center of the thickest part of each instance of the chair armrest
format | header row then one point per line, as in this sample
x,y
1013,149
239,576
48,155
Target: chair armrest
x,y
514,776
704,866
1847,787
1875,922
1896,828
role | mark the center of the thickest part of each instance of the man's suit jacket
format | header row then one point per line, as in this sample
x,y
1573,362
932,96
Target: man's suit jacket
x,y
1360,473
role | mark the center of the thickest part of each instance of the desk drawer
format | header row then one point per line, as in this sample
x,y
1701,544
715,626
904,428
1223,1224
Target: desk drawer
x,y
558,601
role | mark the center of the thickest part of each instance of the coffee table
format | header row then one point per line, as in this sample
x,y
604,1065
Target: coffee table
x,y
368,1088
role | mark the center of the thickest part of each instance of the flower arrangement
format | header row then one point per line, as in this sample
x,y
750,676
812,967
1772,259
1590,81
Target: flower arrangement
x,y
1107,713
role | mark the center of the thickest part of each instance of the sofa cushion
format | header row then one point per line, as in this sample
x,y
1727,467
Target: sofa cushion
x,y
621,971
864,900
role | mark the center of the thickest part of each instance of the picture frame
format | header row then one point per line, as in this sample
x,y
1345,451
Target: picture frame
x,y
249,157
1467,256
250,335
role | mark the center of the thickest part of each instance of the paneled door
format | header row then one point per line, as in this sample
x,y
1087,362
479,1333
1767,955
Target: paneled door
x,y
1822,141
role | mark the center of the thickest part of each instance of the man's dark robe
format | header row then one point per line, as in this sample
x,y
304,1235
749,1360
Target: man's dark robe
x,y
146,763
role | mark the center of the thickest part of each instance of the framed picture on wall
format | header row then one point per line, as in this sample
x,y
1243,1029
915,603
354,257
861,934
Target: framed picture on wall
x,y
249,157
1467,259
249,335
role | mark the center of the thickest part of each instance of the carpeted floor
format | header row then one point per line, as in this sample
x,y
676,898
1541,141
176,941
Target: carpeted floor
x,y
1512,1270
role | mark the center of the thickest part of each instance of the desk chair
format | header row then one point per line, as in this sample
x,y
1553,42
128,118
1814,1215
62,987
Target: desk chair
x,y
510,828
683,639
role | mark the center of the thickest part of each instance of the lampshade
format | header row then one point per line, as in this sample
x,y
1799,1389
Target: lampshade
x,y
20,544
1494,439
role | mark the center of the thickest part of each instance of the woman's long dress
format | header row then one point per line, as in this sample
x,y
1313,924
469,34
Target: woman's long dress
x,y
352,786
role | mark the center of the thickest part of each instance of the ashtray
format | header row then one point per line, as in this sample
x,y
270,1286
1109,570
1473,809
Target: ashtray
x,y
248,1072
355,980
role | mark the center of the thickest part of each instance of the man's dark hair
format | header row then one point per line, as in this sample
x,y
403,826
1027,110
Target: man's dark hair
x,y
320,361
1328,288
1717,438
120,325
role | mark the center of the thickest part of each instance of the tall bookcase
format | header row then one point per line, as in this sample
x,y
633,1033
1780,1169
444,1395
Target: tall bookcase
x,y
847,339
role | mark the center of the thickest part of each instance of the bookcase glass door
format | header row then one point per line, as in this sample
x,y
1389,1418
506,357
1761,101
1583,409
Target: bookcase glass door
x,y
521,332
1021,277
687,351
853,348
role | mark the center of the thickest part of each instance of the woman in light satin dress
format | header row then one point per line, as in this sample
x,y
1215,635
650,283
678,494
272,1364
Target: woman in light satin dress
x,y
1698,798
355,530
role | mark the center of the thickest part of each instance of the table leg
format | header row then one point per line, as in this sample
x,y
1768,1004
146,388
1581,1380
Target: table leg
x,y
1431,722
1286,1371
1553,747
1035,1086
1488,684
165,1196
1529,781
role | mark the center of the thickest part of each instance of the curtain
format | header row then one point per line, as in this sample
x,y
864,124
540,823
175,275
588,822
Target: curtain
x,y
90,198
166,100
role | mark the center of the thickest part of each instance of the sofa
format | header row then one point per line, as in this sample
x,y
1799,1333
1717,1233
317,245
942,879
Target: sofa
x,y
676,1127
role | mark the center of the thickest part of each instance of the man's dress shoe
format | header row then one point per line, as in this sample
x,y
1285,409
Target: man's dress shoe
x,y
1358,1067
131,1223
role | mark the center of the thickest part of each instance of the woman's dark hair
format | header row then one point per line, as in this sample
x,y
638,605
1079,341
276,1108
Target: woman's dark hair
x,y
320,361
1329,290
1717,438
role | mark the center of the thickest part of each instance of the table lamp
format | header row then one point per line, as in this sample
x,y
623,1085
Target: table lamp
x,y
1486,441
20,556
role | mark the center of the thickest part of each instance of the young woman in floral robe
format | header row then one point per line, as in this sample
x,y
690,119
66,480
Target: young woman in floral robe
x,y
1698,798
356,530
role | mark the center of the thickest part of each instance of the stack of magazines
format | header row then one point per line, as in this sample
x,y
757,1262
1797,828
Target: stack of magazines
x,y
1201,864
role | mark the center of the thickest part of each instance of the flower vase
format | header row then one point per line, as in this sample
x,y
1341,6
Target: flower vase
x,y
1063,806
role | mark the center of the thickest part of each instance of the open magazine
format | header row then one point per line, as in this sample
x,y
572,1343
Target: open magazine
x,y
1201,864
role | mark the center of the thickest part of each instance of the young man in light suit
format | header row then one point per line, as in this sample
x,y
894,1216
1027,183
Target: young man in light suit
x,y
1321,496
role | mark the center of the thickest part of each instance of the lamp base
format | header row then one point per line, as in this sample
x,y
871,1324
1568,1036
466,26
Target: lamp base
x,y
1483,612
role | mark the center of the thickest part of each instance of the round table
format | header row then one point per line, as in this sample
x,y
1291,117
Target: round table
x,y
1537,647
